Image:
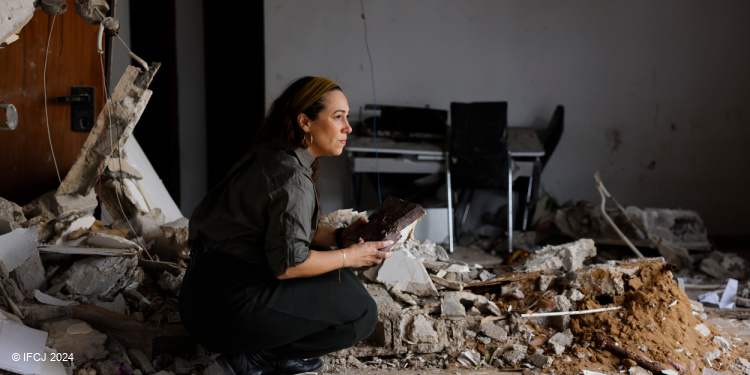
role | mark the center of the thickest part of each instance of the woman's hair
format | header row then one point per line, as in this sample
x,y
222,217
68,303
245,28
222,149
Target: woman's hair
x,y
280,125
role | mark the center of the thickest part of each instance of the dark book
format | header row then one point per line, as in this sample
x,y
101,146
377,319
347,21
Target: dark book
x,y
387,222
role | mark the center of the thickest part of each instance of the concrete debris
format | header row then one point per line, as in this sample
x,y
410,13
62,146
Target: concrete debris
x,y
451,307
11,216
406,270
515,354
422,331
171,282
77,338
560,341
480,302
423,251
703,329
494,331
126,105
96,277
540,360
722,343
725,265
568,257
342,218
544,282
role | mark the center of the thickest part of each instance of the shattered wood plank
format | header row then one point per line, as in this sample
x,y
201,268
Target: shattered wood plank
x,y
124,108
52,249
736,313
499,281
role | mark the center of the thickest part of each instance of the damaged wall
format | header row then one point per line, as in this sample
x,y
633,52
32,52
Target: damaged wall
x,y
652,108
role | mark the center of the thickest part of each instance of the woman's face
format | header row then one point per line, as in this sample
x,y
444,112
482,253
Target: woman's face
x,y
330,129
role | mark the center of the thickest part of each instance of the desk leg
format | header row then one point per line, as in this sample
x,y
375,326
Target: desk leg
x,y
510,205
450,202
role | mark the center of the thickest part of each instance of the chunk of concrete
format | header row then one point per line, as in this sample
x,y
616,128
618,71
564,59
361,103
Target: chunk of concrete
x,y
494,331
560,340
64,203
406,270
544,282
539,360
76,337
342,218
568,257
30,274
451,307
702,329
478,301
422,330
171,282
425,251
97,277
11,216
515,355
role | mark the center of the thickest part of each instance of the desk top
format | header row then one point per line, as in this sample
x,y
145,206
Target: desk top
x,y
524,142
389,146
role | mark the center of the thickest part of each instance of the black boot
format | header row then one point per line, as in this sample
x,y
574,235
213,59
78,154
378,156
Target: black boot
x,y
258,363
298,366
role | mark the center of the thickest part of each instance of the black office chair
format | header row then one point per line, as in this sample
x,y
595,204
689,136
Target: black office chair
x,y
478,150
549,138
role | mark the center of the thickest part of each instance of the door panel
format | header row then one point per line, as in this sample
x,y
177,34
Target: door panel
x,y
27,168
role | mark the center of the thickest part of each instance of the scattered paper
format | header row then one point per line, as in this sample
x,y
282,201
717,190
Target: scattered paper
x,y
729,293
710,297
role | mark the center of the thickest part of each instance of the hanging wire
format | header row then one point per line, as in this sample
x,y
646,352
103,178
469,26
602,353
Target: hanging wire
x,y
46,113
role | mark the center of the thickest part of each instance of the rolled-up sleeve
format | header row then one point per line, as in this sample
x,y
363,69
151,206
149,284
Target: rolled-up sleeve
x,y
290,211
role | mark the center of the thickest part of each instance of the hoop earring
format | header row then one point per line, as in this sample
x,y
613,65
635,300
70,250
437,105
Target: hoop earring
x,y
308,144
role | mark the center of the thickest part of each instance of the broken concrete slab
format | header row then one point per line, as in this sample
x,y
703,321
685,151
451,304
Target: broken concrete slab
x,y
30,275
539,360
96,277
406,270
122,200
451,307
480,302
426,251
494,331
124,109
171,282
568,257
77,338
560,340
422,330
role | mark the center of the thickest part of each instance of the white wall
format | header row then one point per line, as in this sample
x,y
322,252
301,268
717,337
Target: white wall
x,y
657,94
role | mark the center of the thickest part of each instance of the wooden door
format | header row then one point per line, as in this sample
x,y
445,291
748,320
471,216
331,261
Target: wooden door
x,y
27,166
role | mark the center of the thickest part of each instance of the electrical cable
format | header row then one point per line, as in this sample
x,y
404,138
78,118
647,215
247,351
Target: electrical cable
x,y
374,103
46,114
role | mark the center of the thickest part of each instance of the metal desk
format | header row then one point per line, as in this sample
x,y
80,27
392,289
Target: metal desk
x,y
524,150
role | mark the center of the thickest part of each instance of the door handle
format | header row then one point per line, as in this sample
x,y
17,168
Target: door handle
x,y
82,110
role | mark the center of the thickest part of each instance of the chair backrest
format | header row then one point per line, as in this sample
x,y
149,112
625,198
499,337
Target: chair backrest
x,y
478,148
551,136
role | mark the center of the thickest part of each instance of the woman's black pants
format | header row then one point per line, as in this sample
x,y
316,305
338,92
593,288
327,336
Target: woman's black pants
x,y
230,306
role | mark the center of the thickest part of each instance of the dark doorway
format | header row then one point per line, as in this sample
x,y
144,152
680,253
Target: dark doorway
x,y
235,82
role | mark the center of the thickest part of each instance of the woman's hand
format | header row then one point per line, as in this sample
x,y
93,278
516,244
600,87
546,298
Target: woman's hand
x,y
361,221
366,254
